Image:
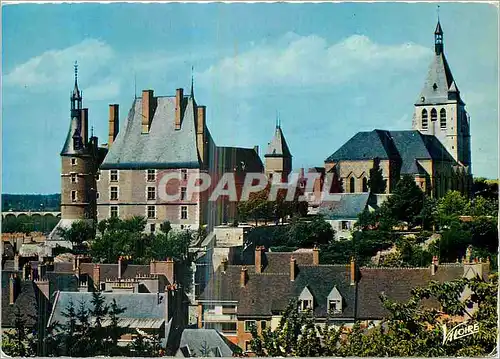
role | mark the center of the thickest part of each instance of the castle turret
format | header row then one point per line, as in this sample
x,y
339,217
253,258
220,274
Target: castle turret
x,y
278,157
78,163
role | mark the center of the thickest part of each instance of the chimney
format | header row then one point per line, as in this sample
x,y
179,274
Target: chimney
x,y
353,271
12,289
16,262
200,133
224,264
44,287
170,270
293,269
434,265
120,261
114,123
96,276
84,116
147,110
179,96
315,256
42,271
258,259
256,149
243,277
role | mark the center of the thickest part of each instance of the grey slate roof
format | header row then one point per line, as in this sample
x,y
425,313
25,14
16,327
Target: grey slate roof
x,y
68,148
163,146
271,291
365,146
397,284
142,310
403,146
26,301
348,207
278,146
208,340
230,159
438,83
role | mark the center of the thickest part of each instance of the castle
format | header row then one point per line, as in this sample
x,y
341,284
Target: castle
x,y
165,134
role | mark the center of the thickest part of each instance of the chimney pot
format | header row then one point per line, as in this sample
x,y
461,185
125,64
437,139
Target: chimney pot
x,y
315,256
243,277
179,97
353,271
114,123
12,289
293,269
148,107
258,259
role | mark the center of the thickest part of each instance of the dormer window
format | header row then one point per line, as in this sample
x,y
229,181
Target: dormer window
x,y
306,304
334,301
306,300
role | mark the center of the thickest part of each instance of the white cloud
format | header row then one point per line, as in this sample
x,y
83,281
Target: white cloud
x,y
310,60
52,67
108,88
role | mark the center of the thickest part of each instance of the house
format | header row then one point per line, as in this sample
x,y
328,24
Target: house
x,y
205,343
144,312
239,297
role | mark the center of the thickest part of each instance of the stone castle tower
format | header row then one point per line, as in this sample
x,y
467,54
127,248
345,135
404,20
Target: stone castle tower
x,y
79,163
278,159
440,111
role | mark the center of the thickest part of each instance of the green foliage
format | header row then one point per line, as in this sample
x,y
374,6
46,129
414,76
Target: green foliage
x,y
127,238
27,224
410,329
31,202
376,181
20,341
143,346
405,204
79,233
258,207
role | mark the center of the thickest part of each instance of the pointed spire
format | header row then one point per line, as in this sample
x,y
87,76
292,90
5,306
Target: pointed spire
x,y
277,119
438,37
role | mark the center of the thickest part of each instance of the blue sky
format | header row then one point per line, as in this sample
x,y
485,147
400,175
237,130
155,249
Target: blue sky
x,y
329,69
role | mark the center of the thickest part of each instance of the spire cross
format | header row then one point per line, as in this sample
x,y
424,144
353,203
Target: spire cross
x,y
76,70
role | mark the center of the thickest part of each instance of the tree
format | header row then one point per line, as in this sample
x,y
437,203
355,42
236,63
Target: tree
x,y
78,233
376,181
410,328
406,202
450,207
143,346
165,227
114,331
20,341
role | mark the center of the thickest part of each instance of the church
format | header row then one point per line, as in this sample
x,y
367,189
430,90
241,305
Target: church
x,y
436,151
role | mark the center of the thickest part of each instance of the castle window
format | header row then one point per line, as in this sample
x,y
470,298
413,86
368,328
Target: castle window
x,y
113,193
151,212
113,211
73,161
74,196
184,175
442,118
184,212
151,193
74,178
345,225
152,227
351,185
97,195
365,184
183,193
113,175
425,119
151,175
334,306
434,115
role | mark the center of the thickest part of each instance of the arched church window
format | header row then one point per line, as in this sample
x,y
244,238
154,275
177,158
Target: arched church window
x,y
434,115
425,119
351,185
442,118
365,184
